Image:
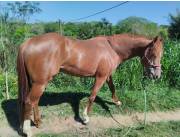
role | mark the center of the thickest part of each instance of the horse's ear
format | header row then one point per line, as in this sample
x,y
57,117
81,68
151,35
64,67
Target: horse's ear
x,y
158,38
155,39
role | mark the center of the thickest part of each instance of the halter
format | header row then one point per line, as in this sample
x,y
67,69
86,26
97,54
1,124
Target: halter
x,y
151,64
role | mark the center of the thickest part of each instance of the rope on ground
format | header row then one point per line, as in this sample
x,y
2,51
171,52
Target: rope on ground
x,y
119,124
145,115
145,106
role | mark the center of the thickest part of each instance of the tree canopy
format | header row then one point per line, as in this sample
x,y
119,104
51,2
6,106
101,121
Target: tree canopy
x,y
174,28
137,25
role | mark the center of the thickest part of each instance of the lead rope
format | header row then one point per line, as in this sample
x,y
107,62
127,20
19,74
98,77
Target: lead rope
x,y
145,106
145,115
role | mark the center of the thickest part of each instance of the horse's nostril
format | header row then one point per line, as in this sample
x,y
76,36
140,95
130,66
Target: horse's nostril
x,y
157,76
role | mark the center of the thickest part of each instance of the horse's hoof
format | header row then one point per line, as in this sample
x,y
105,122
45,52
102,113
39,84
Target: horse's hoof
x,y
118,103
28,134
86,120
85,116
38,123
27,128
38,126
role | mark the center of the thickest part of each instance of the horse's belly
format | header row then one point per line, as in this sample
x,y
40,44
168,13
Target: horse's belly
x,y
77,71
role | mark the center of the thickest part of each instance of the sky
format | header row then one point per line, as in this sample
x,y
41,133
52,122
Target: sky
x,y
155,11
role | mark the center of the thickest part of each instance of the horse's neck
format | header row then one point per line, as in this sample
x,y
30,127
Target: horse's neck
x,y
128,48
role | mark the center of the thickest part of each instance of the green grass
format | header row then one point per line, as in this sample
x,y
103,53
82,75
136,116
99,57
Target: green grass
x,y
63,100
62,103
161,129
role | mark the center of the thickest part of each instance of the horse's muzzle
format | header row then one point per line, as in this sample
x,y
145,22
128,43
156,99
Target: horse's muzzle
x,y
153,73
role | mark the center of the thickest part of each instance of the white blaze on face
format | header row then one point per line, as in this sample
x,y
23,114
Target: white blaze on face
x,y
158,70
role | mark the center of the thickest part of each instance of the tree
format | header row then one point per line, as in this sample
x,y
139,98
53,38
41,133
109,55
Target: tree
x,y
23,10
174,29
106,26
85,31
137,25
51,27
163,32
70,29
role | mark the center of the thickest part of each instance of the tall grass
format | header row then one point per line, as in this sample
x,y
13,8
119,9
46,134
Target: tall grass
x,y
171,64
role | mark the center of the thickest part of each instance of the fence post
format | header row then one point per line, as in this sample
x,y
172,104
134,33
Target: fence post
x,y
60,27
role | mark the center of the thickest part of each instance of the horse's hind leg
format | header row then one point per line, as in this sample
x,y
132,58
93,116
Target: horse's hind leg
x,y
112,89
31,100
37,117
98,84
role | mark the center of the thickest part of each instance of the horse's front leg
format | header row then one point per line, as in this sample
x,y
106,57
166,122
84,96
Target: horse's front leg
x,y
98,84
112,89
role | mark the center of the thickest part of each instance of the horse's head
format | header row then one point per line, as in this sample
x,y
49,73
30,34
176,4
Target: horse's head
x,y
152,58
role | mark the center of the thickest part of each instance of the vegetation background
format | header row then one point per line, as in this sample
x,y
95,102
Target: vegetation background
x,y
14,30
162,94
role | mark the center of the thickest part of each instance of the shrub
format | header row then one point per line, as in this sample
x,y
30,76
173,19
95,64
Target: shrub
x,y
174,29
137,25
12,85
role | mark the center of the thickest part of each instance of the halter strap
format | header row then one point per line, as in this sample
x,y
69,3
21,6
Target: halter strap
x,y
157,66
151,64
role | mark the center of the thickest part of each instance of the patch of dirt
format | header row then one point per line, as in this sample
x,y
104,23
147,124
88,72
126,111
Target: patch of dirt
x,y
59,124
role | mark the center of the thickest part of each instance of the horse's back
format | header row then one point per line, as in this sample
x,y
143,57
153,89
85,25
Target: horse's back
x,y
89,56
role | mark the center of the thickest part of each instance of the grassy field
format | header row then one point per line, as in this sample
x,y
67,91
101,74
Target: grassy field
x,y
67,95
69,100
161,129
72,101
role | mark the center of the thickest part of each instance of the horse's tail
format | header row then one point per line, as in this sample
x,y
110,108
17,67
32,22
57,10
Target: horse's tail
x,y
23,84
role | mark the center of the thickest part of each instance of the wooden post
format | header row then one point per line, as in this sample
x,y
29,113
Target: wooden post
x,y
60,27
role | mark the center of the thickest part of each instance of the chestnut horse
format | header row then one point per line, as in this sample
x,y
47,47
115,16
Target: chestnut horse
x,y
42,57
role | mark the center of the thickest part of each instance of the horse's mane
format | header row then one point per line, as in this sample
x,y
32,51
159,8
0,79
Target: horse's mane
x,y
122,35
132,36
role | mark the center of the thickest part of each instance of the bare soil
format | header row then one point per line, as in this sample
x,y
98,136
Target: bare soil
x,y
63,124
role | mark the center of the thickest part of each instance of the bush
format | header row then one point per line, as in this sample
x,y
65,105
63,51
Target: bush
x,y
174,29
12,85
171,66
137,25
127,76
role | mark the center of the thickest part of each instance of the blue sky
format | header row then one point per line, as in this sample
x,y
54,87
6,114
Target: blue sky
x,y
155,11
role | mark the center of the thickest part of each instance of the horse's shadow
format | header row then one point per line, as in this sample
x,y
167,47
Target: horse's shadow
x,y
49,99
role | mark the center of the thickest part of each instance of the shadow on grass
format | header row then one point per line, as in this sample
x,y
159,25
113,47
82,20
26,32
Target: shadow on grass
x,y
73,98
